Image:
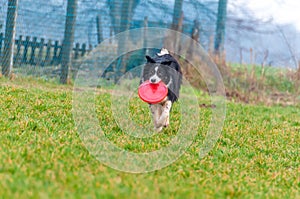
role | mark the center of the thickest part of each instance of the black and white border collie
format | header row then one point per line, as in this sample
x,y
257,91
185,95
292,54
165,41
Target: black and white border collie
x,y
163,67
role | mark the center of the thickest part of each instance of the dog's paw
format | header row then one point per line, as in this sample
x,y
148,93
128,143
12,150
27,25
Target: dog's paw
x,y
158,129
166,124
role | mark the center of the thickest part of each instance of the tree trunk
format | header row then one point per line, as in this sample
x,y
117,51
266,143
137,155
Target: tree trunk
x,y
9,42
99,29
116,10
220,30
177,13
68,41
127,12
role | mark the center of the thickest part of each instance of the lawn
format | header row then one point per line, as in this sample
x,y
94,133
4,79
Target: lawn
x,y
42,155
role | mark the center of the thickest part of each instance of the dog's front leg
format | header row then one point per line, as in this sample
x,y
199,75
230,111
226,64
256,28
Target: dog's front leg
x,y
156,112
165,114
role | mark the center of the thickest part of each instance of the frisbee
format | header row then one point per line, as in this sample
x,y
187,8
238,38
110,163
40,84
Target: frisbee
x,y
152,93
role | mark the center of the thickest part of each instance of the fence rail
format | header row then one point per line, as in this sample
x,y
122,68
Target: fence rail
x,y
41,52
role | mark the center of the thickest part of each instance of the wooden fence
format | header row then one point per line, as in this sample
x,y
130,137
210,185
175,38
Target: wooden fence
x,y
39,52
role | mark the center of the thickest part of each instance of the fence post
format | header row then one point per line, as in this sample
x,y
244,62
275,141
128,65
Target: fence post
x,y
99,29
177,43
60,54
83,50
67,46
110,34
18,42
1,40
190,51
195,38
9,41
145,35
76,53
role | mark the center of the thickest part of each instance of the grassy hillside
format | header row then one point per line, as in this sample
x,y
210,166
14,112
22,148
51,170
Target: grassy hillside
x,y
265,85
42,156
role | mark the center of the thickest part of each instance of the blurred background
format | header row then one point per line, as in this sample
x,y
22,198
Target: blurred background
x,y
255,45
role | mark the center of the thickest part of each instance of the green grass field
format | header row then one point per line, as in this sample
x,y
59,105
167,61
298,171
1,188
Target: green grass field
x,y
42,156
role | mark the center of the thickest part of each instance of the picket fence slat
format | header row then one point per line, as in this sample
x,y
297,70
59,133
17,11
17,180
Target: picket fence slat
x,y
41,51
1,40
17,57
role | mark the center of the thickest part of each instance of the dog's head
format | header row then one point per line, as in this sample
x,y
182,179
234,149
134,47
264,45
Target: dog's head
x,y
156,70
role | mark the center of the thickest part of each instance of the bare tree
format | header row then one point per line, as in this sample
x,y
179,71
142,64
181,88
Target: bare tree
x,y
290,48
220,30
126,15
68,40
177,13
119,10
9,42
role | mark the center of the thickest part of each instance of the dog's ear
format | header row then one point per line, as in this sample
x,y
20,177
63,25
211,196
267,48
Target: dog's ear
x,y
149,59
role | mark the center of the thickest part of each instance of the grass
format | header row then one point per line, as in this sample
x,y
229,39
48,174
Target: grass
x,y
265,85
275,78
253,84
42,156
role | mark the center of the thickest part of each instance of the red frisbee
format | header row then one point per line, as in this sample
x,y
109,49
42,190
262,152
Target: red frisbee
x,y
152,93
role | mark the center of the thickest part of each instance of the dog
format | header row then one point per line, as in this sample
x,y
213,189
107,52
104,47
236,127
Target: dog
x,y
163,67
